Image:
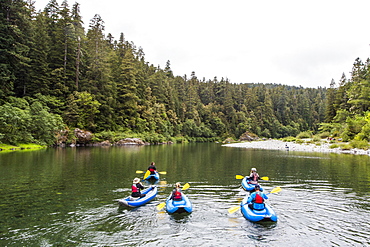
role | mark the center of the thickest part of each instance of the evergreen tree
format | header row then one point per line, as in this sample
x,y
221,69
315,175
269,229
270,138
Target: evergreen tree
x,y
40,72
330,97
15,42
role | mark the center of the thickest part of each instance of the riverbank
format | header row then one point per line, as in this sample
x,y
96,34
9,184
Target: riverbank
x,y
9,148
292,146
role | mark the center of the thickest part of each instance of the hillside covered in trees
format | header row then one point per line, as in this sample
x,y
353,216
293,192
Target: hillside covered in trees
x,y
56,76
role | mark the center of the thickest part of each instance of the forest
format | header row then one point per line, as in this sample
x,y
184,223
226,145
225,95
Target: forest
x,y
56,76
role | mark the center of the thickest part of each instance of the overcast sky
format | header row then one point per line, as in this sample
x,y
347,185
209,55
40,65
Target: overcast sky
x,y
291,42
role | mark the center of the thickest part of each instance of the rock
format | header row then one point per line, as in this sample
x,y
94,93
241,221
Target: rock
x,y
62,137
247,136
83,136
228,140
130,141
105,143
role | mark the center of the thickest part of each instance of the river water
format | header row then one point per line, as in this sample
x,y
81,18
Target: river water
x,y
67,197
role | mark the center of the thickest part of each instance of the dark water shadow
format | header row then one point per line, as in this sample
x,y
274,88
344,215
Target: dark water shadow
x,y
180,217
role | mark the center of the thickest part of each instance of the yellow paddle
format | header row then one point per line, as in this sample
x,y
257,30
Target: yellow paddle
x,y
164,173
146,174
236,208
241,177
162,204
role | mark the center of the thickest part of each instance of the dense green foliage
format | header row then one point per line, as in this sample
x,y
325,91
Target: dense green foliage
x,y
54,75
348,106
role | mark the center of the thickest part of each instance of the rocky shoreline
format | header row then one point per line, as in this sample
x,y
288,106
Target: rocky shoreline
x,y
292,146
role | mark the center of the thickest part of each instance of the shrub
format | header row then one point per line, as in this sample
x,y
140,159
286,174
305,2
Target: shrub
x,y
289,139
179,139
324,135
299,141
346,147
360,144
154,138
304,135
334,146
316,138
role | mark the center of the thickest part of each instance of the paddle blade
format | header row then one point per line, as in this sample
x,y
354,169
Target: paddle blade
x,y
265,178
139,171
186,186
239,176
277,189
163,173
162,182
233,209
146,174
161,205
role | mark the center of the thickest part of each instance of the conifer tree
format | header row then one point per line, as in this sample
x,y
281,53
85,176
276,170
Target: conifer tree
x,y
40,72
15,42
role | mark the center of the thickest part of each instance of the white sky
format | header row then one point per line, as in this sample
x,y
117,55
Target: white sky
x,y
291,42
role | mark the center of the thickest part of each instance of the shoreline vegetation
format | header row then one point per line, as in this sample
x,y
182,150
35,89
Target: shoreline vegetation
x,y
306,145
324,146
18,147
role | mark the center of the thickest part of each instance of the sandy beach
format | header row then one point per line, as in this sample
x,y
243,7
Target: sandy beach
x,y
291,146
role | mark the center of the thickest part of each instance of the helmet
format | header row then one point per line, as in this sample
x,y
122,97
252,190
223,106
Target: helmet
x,y
257,187
136,180
253,169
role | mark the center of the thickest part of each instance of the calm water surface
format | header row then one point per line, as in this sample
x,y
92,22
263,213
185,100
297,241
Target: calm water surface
x,y
66,197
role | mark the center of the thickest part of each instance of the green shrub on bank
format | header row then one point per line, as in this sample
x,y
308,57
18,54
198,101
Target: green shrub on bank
x,y
304,135
316,138
360,144
345,146
324,135
154,138
179,139
289,139
299,141
334,146
22,146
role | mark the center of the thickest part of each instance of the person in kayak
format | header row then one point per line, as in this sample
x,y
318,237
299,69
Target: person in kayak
x,y
254,176
176,193
152,168
136,187
257,199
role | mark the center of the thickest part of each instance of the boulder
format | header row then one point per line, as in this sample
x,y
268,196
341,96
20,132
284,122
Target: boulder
x,y
130,141
62,137
247,136
105,143
83,136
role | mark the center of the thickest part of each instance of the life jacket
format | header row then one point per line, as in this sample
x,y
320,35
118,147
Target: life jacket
x,y
151,169
177,195
258,198
254,177
134,188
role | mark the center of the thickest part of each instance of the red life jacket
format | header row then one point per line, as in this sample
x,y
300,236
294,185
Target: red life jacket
x,y
258,198
177,195
151,169
134,188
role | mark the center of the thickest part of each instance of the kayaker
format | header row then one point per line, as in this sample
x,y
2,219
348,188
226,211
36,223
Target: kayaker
x,y
176,193
136,187
256,200
152,168
254,176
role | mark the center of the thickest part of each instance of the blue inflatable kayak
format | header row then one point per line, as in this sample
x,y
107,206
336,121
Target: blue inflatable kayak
x,y
183,206
266,214
249,186
154,176
130,201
